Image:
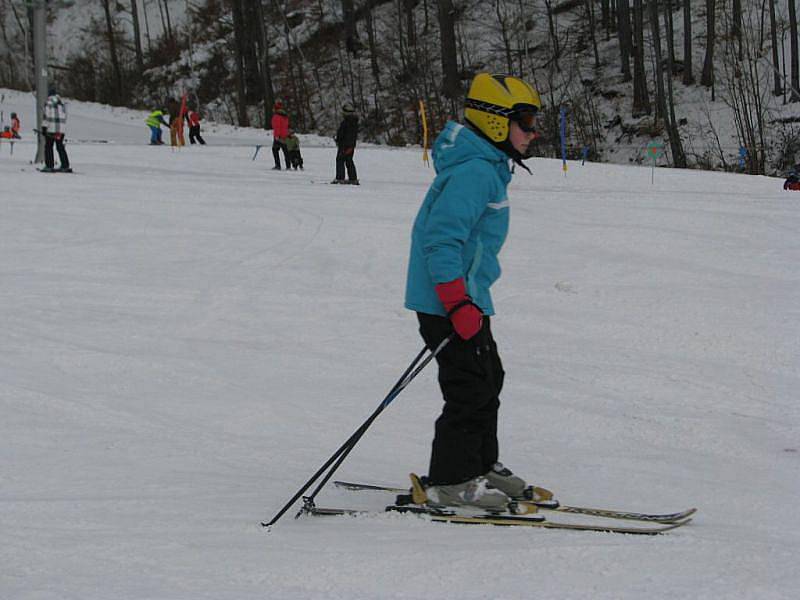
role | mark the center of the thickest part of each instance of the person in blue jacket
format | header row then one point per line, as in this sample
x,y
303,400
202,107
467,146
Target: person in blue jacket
x,y
456,238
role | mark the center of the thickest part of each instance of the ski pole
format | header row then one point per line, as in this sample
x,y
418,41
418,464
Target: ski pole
x,y
409,374
399,387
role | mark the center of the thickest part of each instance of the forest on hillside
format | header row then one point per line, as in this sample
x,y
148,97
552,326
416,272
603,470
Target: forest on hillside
x,y
710,79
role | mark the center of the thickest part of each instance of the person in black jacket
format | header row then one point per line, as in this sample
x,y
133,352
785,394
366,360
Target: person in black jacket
x,y
345,138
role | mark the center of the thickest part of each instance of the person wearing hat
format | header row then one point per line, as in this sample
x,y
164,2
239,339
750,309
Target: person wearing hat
x,y
456,238
53,130
280,129
346,137
293,147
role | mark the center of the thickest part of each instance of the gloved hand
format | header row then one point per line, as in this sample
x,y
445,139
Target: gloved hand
x,y
43,130
58,136
463,314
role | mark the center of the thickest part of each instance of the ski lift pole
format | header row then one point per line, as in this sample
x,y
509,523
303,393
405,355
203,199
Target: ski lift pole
x,y
410,373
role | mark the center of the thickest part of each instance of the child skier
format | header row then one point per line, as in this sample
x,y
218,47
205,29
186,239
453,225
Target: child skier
x,y
293,147
154,121
457,234
15,127
193,118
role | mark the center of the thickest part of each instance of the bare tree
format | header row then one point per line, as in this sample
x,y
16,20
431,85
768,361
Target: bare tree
x,y
795,80
240,42
777,90
667,102
447,32
688,70
350,35
624,35
589,4
267,91
112,48
745,89
707,78
641,99
137,35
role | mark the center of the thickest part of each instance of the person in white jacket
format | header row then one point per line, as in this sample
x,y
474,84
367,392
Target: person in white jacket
x,y
53,130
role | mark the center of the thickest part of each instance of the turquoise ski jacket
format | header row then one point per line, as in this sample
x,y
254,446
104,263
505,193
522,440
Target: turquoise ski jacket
x,y
462,222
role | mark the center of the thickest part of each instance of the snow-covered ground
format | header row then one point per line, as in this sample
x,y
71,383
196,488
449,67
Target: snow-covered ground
x,y
185,336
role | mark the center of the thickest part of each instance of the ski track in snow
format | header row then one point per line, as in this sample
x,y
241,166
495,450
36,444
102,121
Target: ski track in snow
x,y
186,336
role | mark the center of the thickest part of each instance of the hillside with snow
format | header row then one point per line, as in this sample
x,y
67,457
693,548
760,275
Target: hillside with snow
x,y
186,336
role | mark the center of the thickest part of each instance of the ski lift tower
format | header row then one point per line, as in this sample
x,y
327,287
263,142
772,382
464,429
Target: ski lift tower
x,y
40,61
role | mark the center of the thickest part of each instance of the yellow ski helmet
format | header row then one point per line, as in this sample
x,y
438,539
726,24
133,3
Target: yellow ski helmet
x,y
493,100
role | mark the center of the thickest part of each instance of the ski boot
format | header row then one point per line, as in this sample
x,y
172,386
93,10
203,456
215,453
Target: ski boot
x,y
515,487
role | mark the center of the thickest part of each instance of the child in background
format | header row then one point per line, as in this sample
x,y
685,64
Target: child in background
x,y
15,126
293,147
193,117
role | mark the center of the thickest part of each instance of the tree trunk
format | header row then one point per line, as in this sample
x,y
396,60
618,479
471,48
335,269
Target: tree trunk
x,y
112,46
447,28
240,40
169,21
590,14
707,78
675,143
373,47
551,25
777,90
641,99
137,36
795,78
736,27
688,69
267,90
624,34
655,33
350,35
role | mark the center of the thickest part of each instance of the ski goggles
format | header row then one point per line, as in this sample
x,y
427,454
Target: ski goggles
x,y
527,120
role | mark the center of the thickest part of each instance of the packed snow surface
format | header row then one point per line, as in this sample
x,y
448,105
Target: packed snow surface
x,y
186,336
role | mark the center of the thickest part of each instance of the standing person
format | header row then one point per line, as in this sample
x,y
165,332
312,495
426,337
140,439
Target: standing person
x,y
53,130
457,235
293,147
154,121
193,117
346,137
175,122
280,129
15,126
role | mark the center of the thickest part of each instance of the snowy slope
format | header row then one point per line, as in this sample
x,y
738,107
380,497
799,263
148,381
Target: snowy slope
x,y
186,336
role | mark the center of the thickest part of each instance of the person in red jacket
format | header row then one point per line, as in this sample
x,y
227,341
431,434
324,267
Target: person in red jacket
x,y
280,129
15,126
193,117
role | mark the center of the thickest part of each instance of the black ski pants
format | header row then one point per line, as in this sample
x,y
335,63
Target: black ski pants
x,y
194,135
49,159
344,160
276,148
471,378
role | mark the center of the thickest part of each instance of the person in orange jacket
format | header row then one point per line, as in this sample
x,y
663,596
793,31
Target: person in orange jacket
x,y
280,130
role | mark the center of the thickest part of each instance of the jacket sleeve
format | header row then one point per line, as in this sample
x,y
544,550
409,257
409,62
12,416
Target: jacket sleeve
x,y
452,217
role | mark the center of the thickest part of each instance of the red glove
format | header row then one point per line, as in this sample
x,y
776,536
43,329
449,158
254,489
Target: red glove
x,y
463,314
